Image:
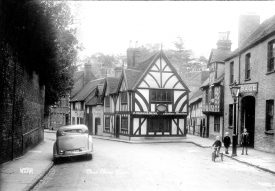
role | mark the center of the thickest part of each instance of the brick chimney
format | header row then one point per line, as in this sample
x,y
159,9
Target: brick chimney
x,y
118,71
88,75
133,57
224,43
247,25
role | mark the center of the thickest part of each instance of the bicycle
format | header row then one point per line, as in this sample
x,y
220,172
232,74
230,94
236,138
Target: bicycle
x,y
215,154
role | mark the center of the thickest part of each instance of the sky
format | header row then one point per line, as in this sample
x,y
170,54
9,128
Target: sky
x,y
108,27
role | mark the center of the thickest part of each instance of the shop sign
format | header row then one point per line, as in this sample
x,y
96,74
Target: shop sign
x,y
249,88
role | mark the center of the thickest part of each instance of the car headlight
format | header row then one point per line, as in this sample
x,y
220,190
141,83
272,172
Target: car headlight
x,y
61,152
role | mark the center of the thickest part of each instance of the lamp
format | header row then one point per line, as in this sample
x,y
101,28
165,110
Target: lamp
x,y
235,89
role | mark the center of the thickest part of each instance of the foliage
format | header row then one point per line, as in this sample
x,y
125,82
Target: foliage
x,y
39,36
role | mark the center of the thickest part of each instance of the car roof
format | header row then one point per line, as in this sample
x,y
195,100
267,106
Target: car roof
x,y
67,127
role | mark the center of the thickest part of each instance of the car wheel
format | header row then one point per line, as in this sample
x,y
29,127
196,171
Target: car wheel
x,y
56,160
89,156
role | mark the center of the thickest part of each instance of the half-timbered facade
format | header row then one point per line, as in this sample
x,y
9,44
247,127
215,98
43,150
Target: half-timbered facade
x,y
151,101
213,87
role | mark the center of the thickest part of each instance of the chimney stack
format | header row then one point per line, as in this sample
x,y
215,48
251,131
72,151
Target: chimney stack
x,y
118,71
224,43
87,73
247,25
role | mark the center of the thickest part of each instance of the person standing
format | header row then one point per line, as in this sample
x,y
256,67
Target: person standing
x,y
226,142
244,140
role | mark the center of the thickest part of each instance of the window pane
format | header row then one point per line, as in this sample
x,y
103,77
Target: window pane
x,y
269,114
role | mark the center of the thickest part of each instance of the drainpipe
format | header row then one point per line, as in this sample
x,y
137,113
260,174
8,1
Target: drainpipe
x,y
238,99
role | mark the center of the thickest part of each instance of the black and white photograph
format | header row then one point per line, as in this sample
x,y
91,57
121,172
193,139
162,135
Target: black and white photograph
x,y
137,95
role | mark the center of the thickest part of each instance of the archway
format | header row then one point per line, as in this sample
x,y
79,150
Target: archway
x,y
248,117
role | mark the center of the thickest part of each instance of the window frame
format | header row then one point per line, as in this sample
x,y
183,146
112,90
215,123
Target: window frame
x,y
124,98
123,121
161,95
247,66
212,96
207,95
269,125
107,120
217,126
270,56
230,115
231,71
107,101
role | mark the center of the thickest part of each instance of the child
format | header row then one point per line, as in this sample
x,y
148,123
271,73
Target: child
x,y
217,144
244,140
226,142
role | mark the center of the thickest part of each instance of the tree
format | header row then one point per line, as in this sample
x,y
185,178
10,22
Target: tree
x,y
40,36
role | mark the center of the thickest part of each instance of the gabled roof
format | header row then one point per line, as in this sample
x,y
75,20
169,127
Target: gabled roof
x,y
87,89
264,31
111,85
218,55
78,82
131,75
148,63
216,81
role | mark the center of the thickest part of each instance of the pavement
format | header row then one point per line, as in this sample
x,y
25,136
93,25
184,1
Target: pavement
x,y
25,172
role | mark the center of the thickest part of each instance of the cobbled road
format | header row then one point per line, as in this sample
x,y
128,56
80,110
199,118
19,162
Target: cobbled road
x,y
159,166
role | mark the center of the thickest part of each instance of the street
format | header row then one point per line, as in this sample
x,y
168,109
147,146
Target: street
x,y
159,166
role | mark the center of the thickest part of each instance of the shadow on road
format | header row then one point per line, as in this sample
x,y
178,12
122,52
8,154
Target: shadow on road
x,y
72,159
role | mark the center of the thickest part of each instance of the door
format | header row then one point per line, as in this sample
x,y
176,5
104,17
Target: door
x,y
248,117
97,123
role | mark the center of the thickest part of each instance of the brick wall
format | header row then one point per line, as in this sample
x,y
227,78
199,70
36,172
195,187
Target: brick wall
x,y
266,90
21,106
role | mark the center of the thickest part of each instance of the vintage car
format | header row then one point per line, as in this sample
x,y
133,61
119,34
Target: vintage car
x,y
72,140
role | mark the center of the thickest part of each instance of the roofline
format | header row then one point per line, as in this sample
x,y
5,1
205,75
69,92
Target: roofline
x,y
250,46
146,70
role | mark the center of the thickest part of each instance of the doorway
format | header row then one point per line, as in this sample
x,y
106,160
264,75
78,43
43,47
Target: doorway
x,y
117,126
248,117
97,123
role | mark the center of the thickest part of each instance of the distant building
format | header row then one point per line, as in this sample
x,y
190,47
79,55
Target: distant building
x,y
78,102
212,99
59,114
252,67
196,119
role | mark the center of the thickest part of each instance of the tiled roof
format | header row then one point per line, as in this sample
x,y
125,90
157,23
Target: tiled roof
x,y
78,82
196,96
218,55
205,83
266,29
87,89
94,101
133,74
131,77
112,85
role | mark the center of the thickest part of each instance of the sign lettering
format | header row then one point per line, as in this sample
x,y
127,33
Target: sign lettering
x,y
248,88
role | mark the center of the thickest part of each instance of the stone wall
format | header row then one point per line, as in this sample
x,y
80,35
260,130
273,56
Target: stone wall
x,y
21,106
